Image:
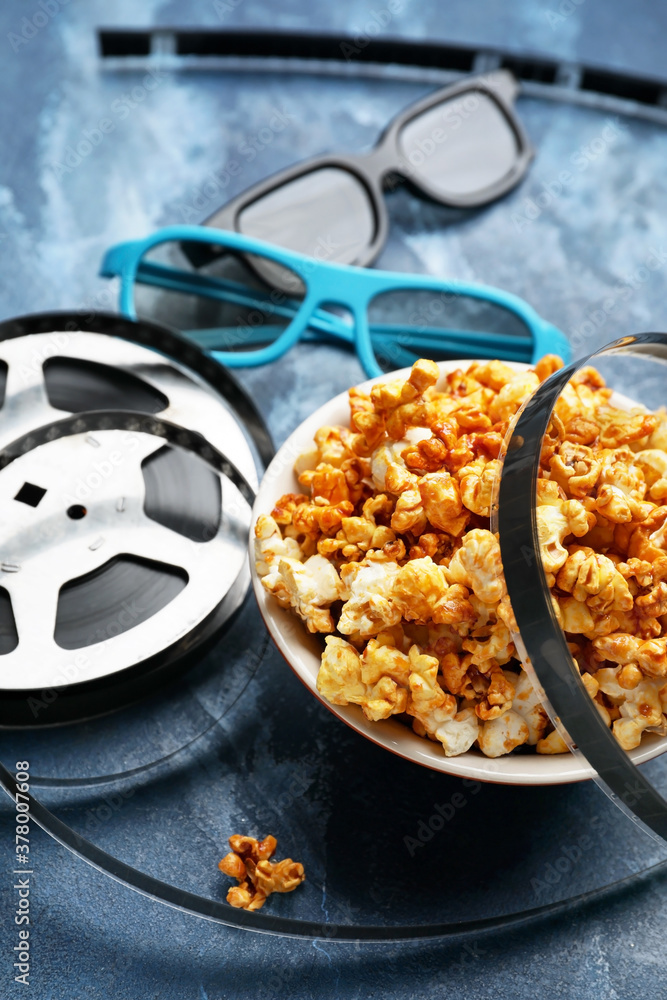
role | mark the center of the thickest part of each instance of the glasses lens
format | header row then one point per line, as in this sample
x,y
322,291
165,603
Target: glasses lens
x,y
460,147
431,323
226,304
326,214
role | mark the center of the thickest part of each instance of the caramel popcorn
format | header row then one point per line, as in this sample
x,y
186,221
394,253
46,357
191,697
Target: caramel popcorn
x,y
309,587
389,553
502,735
248,862
343,679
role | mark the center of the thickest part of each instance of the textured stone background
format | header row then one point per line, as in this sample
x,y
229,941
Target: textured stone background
x,y
271,758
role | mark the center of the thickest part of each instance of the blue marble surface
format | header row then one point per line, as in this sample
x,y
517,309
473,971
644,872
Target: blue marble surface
x,y
249,747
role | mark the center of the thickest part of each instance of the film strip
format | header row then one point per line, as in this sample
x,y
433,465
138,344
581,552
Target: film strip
x,y
159,338
127,420
373,55
545,650
192,903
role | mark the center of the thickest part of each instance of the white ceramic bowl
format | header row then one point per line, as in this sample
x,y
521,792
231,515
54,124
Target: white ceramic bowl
x,y
303,650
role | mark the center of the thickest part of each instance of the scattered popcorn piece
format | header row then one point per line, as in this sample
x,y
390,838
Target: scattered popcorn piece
x,y
628,676
575,617
390,453
594,579
658,438
339,676
496,647
575,468
614,504
381,658
409,514
499,694
547,365
640,708
258,877
327,483
622,427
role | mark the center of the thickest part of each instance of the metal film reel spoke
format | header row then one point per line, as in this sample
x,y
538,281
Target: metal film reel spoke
x,y
34,633
26,400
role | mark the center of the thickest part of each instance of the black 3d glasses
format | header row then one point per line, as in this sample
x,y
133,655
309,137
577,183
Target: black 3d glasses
x,y
462,146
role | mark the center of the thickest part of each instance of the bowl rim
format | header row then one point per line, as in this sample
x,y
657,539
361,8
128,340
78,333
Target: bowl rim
x,y
283,627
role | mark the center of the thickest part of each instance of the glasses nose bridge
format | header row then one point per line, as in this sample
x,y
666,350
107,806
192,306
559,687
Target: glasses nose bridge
x,y
347,288
375,159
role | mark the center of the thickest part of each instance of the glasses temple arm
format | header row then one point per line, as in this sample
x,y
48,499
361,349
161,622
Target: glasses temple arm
x,y
483,345
161,276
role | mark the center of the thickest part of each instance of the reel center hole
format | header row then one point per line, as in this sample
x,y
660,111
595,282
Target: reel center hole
x,y
76,511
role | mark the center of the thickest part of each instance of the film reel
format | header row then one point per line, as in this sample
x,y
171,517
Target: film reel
x,y
120,556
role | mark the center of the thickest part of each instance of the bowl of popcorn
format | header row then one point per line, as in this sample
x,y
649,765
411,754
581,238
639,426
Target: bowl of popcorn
x,y
379,576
